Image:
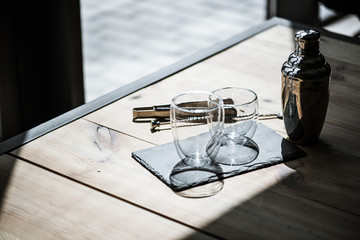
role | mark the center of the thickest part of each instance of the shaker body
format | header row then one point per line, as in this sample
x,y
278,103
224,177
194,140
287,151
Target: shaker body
x,y
304,105
305,89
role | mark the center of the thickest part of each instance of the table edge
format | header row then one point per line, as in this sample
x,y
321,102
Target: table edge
x,y
76,113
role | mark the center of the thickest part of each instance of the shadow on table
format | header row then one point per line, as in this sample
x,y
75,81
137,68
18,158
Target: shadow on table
x,y
6,168
314,198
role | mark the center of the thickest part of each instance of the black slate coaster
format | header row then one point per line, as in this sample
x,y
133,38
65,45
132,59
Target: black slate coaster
x,y
273,149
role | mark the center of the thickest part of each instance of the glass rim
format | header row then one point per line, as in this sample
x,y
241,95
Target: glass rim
x,y
218,104
255,97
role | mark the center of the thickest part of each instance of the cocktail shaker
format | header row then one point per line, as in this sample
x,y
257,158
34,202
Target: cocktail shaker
x,y
305,89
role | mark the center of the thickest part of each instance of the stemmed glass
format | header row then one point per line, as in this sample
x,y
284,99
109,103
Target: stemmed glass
x,y
197,121
241,117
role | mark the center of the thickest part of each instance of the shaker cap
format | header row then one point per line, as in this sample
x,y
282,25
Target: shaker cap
x,y
307,38
307,35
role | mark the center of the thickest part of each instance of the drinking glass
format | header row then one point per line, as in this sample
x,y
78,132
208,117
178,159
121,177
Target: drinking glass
x,y
197,121
241,116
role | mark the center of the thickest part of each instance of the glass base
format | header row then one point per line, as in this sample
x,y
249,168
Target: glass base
x,y
237,153
187,175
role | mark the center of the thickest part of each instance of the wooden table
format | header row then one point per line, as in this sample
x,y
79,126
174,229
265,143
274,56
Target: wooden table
x,y
74,178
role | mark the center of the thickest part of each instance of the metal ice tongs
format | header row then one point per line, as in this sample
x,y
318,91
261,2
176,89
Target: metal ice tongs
x,y
159,115
163,111
157,111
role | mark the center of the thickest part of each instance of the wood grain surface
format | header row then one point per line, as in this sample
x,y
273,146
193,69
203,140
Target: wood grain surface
x,y
39,204
315,197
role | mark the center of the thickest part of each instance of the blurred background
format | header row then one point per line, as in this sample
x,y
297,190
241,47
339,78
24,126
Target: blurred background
x,y
124,40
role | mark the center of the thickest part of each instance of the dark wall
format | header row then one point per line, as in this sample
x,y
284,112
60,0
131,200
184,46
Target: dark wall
x,y
41,72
